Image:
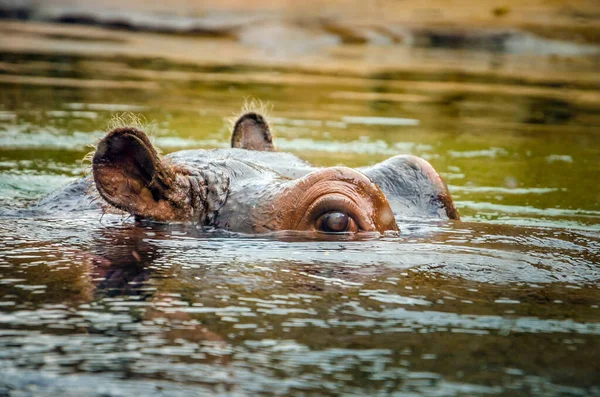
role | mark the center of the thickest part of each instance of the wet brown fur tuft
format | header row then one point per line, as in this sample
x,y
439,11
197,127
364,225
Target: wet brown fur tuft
x,y
118,121
250,129
251,105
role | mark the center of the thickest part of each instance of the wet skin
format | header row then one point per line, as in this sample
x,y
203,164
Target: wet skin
x,y
252,188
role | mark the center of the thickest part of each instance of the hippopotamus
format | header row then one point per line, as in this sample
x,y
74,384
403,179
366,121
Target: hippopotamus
x,y
252,188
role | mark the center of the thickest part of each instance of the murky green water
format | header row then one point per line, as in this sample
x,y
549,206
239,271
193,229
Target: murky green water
x,y
504,303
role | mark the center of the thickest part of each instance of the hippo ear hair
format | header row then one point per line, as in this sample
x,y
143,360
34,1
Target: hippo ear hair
x,y
251,132
130,175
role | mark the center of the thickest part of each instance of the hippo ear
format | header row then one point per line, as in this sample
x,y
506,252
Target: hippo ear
x,y
130,175
251,132
412,186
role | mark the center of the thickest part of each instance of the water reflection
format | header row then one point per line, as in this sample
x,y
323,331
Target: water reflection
x,y
504,303
175,304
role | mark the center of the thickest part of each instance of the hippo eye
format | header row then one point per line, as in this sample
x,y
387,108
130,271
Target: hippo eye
x,y
336,222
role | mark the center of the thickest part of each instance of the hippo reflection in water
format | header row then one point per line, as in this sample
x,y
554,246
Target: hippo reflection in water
x,y
252,188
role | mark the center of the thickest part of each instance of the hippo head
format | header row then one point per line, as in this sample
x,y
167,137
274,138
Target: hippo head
x,y
252,188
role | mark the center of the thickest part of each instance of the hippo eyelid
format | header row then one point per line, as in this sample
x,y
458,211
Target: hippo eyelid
x,y
340,203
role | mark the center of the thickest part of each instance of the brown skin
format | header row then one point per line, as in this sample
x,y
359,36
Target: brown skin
x,y
336,190
235,193
131,176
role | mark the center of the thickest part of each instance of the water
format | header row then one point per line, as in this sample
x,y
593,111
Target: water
x,y
504,303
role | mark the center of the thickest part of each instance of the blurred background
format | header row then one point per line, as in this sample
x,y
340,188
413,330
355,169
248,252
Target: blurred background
x,y
501,96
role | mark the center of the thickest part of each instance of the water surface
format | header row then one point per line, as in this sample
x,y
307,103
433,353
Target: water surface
x,y
504,303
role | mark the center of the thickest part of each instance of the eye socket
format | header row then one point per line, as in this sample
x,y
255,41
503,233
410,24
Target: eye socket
x,y
336,222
